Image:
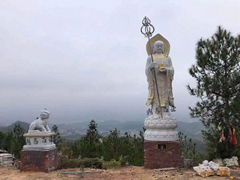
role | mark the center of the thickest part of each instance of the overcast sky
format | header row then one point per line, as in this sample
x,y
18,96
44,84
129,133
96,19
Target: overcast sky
x,y
86,59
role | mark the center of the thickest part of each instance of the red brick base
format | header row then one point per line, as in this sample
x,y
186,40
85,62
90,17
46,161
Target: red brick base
x,y
162,154
44,161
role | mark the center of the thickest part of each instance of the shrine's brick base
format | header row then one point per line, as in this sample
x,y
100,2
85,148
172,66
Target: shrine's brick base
x,y
44,161
162,154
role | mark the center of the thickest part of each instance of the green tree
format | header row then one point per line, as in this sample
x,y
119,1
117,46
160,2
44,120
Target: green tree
x,y
217,75
112,146
17,140
2,140
13,141
124,148
90,145
92,133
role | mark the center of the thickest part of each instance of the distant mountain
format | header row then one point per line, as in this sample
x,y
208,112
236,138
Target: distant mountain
x,y
193,130
10,128
73,131
190,129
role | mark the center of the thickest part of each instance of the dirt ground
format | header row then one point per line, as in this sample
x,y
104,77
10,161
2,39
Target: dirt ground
x,y
125,173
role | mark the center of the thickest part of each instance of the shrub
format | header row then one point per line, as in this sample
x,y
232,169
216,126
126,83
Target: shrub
x,y
123,160
111,164
65,162
188,149
92,162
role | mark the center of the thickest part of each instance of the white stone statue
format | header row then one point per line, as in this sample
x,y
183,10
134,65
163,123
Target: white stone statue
x,y
160,92
41,123
160,125
39,136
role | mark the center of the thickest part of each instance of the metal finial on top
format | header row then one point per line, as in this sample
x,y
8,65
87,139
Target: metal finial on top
x,y
147,28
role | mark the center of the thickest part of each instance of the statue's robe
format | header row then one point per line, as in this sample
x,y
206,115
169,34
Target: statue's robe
x,y
164,81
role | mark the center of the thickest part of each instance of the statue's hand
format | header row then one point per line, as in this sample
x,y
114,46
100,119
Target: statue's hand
x,y
153,65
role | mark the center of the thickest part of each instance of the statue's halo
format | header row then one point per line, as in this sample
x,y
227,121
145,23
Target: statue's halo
x,y
158,37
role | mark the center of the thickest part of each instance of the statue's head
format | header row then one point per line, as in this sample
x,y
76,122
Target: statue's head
x,y
44,114
158,47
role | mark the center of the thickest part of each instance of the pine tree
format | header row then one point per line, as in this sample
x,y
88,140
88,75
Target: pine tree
x,y
112,145
92,133
217,75
91,145
18,140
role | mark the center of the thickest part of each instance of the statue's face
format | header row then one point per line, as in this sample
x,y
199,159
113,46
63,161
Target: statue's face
x,y
44,114
158,47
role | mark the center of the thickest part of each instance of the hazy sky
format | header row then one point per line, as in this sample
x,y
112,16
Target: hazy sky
x,y
86,59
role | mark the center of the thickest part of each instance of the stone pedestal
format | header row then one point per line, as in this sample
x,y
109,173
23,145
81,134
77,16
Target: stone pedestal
x,y
161,146
162,154
39,153
44,161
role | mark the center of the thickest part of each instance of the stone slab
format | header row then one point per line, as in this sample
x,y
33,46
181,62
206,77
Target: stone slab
x,y
162,154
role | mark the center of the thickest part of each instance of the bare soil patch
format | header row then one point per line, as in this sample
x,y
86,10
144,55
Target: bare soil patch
x,y
124,173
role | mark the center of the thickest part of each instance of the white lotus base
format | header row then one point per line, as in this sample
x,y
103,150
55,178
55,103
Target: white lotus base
x,y
160,128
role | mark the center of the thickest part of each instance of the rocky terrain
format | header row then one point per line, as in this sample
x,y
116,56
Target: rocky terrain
x,y
125,173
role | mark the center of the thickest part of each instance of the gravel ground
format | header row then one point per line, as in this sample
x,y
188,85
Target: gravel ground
x,y
125,173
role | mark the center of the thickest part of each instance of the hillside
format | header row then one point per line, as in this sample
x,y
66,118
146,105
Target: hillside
x,y
10,128
73,131
191,129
